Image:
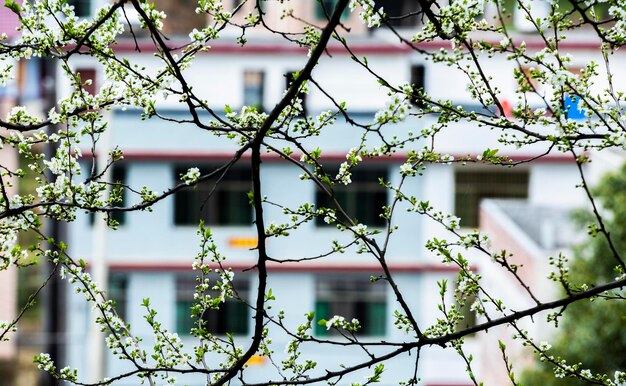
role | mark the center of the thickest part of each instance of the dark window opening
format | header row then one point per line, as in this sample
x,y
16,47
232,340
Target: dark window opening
x,y
232,317
472,186
181,16
325,8
357,298
82,8
253,87
362,200
118,292
290,76
118,176
226,203
85,75
469,316
118,180
417,84
400,13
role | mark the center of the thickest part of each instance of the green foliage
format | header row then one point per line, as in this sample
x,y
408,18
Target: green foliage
x,y
13,6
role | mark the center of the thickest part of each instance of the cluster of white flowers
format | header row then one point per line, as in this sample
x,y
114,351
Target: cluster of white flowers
x,y
395,110
586,373
191,176
344,175
369,15
155,16
407,169
169,346
447,158
544,346
463,15
44,362
359,229
452,222
562,77
200,36
6,74
20,115
215,8
335,321
69,374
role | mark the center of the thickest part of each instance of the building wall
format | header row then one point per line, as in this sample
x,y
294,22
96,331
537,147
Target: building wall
x,y
532,262
152,250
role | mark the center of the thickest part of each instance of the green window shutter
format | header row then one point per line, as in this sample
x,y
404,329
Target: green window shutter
x,y
236,314
329,5
184,322
118,287
376,319
322,311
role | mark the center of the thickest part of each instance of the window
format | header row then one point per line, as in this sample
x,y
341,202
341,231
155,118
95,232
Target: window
x,y
82,8
417,84
85,75
253,89
118,292
401,13
465,309
232,316
362,200
324,9
118,178
471,186
182,17
290,76
351,297
469,316
223,204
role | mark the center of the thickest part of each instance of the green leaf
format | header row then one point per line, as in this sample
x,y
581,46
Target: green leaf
x,y
269,295
13,6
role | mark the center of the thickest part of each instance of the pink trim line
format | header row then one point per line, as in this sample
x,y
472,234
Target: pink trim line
x,y
374,48
292,267
338,156
448,384
267,48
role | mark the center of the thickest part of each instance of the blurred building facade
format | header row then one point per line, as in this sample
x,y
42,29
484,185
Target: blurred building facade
x,y
151,253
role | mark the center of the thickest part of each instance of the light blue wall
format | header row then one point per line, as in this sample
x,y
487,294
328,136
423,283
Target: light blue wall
x,y
151,239
295,293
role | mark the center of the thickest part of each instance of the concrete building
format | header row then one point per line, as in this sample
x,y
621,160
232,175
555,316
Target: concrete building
x,y
151,253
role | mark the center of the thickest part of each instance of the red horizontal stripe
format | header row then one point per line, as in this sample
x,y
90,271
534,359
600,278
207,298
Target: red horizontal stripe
x,y
372,48
335,156
292,267
145,46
